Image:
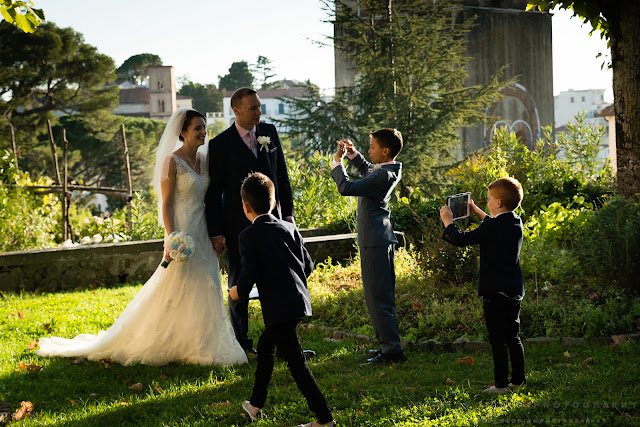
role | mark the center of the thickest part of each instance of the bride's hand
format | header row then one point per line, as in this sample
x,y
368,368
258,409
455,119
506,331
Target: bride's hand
x,y
219,243
167,255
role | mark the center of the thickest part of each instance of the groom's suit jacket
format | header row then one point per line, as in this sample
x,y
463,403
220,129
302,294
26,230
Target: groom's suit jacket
x,y
230,161
275,259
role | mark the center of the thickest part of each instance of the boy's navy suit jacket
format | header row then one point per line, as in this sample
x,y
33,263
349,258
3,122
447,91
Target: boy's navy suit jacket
x,y
500,240
275,259
374,191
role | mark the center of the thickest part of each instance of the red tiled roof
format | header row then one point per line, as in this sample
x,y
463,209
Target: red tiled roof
x,y
607,111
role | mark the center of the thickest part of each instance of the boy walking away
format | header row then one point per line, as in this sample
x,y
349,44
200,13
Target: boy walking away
x,y
275,259
500,279
375,234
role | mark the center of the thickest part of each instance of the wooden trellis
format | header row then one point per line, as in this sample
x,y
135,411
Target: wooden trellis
x,y
62,181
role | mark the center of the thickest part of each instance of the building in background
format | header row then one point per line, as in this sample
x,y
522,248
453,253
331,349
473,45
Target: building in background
x,y
155,98
569,103
505,35
591,103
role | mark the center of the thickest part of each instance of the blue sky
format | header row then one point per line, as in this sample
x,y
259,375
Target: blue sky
x,y
201,38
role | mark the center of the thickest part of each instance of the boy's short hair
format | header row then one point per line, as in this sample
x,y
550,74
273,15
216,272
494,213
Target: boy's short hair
x,y
509,190
389,138
258,190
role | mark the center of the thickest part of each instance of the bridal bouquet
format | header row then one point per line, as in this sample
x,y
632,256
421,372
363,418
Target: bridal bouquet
x,y
180,245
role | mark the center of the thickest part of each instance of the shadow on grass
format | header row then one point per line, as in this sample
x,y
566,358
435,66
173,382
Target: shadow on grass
x,y
565,387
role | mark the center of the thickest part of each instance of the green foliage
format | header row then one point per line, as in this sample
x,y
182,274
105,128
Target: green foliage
x,y
49,70
592,11
609,246
27,220
553,171
263,69
139,222
21,14
316,200
96,153
238,76
410,62
206,98
134,68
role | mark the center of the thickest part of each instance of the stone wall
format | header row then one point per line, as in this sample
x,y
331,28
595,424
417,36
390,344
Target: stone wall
x,y
51,270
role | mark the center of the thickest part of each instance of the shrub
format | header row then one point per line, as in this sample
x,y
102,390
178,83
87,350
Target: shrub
x,y
316,200
27,220
609,246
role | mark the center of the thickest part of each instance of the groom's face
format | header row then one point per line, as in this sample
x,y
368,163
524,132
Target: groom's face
x,y
248,113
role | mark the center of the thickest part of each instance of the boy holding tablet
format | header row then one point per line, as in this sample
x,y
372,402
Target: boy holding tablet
x,y
500,279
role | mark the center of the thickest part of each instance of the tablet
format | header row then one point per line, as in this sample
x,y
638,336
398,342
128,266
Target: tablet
x,y
459,205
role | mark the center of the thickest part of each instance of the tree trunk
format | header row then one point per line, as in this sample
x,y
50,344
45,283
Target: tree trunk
x,y
623,17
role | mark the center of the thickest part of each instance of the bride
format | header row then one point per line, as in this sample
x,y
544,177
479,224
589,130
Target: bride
x,y
179,314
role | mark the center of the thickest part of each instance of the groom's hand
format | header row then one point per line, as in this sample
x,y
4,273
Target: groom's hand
x,y
219,243
233,293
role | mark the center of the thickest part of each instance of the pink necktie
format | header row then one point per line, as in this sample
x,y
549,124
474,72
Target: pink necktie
x,y
254,148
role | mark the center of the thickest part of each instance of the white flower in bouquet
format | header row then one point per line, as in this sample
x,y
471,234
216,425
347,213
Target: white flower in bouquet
x,y
180,246
264,142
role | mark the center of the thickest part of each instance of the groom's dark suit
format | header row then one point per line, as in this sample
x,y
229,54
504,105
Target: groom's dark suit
x,y
230,161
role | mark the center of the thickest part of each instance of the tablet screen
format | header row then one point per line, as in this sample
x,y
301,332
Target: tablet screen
x,y
459,205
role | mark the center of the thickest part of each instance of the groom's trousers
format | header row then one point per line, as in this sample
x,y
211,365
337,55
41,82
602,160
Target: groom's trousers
x,y
238,310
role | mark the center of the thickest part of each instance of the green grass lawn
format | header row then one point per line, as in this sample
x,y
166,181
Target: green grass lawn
x,y
573,386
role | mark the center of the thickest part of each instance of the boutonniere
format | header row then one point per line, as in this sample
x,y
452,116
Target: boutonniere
x,y
377,166
264,141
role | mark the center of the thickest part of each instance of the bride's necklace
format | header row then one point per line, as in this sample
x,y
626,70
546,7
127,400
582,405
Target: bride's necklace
x,y
193,165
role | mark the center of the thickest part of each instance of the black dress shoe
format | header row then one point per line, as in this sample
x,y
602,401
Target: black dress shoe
x,y
251,352
388,358
374,352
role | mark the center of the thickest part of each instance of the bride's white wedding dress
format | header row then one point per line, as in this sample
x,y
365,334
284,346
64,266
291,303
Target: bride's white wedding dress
x,y
179,314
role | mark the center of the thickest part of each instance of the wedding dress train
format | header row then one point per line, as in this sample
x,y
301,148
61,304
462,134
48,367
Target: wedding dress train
x,y
179,314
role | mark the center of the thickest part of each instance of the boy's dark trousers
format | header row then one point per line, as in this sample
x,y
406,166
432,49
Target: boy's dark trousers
x,y
285,338
502,316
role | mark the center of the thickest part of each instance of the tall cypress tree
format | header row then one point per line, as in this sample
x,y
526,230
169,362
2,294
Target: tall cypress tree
x,y
410,74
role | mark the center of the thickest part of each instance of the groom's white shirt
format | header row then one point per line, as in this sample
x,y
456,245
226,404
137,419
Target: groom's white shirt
x,y
246,136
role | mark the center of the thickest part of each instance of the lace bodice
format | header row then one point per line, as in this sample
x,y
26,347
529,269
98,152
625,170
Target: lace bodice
x,y
190,190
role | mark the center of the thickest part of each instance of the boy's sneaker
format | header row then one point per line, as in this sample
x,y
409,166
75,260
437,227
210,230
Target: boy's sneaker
x,y
254,413
497,390
513,386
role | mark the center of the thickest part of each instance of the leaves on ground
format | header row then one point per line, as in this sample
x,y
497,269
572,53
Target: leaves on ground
x,y
31,367
25,409
33,344
449,381
588,361
566,354
136,387
468,360
216,404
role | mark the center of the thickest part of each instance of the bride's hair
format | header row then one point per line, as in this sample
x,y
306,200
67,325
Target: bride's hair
x,y
190,115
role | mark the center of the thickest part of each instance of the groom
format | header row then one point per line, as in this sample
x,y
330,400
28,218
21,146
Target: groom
x,y
246,146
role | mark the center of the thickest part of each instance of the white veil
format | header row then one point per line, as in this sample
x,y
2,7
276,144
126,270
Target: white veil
x,y
167,145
